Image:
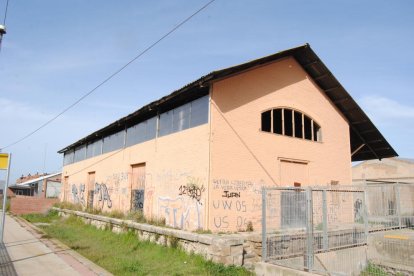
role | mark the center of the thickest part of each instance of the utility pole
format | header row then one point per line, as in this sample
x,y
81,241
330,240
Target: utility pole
x,y
5,160
2,32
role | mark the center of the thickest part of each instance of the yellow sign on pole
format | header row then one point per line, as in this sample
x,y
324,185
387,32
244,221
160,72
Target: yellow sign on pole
x,y
4,161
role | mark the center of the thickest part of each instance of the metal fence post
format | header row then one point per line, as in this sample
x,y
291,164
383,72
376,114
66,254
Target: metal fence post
x,y
365,211
309,257
264,239
398,205
325,220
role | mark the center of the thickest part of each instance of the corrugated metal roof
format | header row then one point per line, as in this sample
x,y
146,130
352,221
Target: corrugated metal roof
x,y
362,130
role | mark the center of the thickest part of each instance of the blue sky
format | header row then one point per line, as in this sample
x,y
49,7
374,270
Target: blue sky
x,y
56,51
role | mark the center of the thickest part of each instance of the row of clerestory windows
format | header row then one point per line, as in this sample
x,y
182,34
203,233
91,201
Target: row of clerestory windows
x,y
186,116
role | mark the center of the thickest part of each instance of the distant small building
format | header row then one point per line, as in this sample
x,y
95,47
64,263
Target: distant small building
x,y
386,170
46,185
1,186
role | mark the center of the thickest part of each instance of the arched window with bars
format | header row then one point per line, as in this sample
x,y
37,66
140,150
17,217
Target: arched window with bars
x,y
290,122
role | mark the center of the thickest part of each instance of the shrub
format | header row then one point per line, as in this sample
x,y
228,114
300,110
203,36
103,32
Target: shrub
x,y
249,227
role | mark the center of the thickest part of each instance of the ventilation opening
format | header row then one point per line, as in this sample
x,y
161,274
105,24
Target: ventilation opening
x,y
266,119
277,121
288,122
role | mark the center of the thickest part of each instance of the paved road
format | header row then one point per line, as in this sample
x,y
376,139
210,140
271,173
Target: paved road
x,y
33,255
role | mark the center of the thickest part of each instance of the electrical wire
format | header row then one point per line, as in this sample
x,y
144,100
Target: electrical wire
x,y
5,12
110,76
4,21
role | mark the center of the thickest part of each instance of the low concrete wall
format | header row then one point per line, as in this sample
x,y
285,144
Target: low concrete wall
x,y
28,204
393,251
265,269
221,249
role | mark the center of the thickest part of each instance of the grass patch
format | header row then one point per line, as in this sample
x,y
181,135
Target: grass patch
x,y
372,269
49,217
124,254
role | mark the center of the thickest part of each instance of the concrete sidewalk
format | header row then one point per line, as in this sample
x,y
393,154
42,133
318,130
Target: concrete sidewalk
x,y
31,254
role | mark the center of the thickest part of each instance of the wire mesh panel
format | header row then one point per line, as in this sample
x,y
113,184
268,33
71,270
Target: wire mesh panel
x,y
284,228
405,205
326,229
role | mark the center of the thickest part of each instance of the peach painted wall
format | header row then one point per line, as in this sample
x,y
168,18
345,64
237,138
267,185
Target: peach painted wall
x,y
229,171
243,158
173,163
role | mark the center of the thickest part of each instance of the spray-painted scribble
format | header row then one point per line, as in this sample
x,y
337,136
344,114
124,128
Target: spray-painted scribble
x,y
192,191
181,213
101,191
138,200
78,195
358,215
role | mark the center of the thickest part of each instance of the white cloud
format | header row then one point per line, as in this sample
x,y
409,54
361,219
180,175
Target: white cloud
x,y
382,108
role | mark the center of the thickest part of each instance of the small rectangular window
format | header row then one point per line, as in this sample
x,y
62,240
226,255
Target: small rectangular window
x,y
199,111
316,132
181,118
80,154
288,122
151,128
308,127
68,157
298,124
277,121
94,149
136,134
113,142
266,121
166,123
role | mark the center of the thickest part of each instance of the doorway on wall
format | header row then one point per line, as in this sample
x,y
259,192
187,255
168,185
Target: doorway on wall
x,y
138,187
66,188
293,173
91,189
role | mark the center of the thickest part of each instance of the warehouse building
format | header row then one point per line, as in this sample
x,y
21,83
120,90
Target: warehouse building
x,y
200,156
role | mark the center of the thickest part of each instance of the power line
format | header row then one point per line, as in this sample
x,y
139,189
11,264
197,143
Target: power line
x,y
110,76
3,27
5,12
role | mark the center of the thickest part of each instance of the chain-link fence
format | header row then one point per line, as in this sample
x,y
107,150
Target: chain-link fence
x,y
325,229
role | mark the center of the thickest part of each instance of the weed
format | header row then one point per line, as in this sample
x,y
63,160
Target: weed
x,y
68,205
373,269
45,218
173,241
319,227
249,227
202,231
137,216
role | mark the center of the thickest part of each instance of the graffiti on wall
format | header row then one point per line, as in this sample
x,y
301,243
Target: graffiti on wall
x,y
78,195
115,180
102,194
138,199
193,189
184,211
180,212
237,202
168,177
